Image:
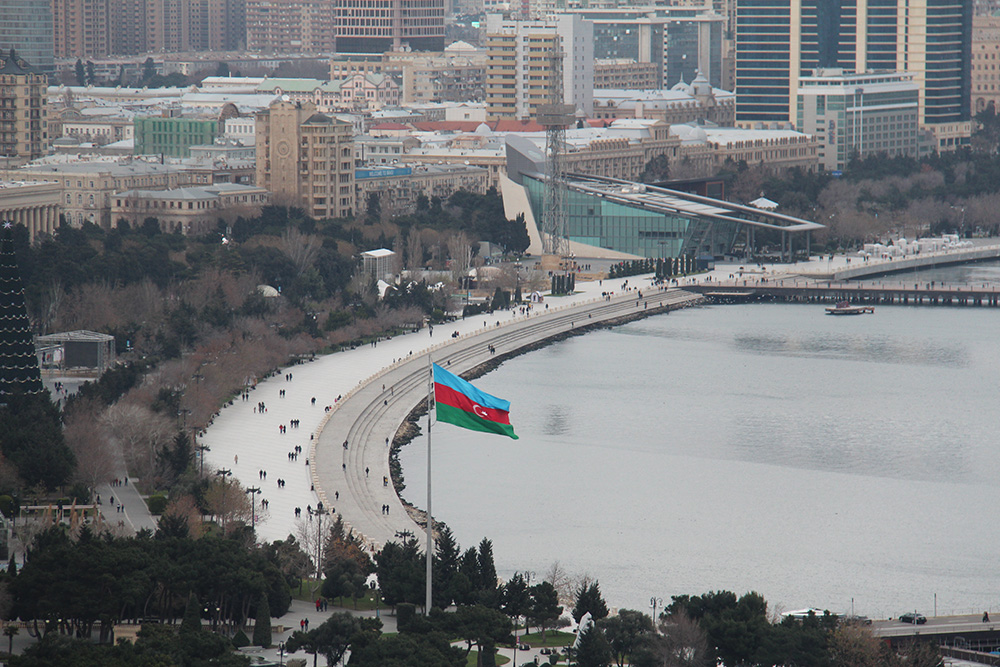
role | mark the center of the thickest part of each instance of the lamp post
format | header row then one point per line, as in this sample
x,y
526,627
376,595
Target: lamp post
x,y
202,449
253,491
655,602
319,512
224,473
281,654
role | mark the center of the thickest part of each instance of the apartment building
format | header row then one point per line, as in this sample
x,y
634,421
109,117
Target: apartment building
x,y
24,132
520,60
81,28
306,157
985,63
625,74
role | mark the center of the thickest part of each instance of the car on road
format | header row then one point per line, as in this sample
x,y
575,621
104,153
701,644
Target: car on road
x,y
523,647
548,651
913,617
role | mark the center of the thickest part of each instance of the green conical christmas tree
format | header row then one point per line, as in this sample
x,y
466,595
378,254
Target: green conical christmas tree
x,y
18,363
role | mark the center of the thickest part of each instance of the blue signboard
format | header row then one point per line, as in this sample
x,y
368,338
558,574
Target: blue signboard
x,y
360,174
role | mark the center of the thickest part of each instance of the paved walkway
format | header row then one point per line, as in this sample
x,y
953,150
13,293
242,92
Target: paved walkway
x,y
123,504
250,443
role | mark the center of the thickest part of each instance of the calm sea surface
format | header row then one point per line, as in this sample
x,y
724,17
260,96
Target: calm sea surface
x,y
814,459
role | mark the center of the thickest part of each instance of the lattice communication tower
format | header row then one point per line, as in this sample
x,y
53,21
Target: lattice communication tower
x,y
555,117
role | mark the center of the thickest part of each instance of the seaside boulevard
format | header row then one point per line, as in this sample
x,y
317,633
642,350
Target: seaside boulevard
x,y
379,385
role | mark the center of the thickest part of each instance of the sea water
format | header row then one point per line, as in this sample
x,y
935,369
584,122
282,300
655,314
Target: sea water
x,y
821,461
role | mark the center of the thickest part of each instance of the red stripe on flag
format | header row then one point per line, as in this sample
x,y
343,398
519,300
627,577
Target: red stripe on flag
x,y
448,396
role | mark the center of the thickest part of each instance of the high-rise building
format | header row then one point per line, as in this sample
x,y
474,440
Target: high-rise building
x,y
81,28
778,41
377,26
128,27
859,114
290,26
344,26
24,132
26,26
519,63
306,158
681,41
985,63
172,26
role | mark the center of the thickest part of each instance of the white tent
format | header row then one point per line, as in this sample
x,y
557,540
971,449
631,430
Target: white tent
x,y
764,203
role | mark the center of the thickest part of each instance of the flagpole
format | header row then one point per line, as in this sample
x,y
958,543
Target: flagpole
x,y
430,537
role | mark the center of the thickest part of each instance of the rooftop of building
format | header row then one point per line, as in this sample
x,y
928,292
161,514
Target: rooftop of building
x,y
675,202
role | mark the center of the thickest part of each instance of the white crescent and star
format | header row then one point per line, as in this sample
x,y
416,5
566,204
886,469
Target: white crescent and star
x,y
480,410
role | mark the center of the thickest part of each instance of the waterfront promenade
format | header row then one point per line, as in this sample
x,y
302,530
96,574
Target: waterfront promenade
x,y
251,446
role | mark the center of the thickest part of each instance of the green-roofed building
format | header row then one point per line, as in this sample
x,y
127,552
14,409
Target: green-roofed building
x,y
173,137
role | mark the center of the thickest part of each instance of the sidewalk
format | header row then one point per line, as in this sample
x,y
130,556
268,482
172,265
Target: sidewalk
x,y
133,512
251,445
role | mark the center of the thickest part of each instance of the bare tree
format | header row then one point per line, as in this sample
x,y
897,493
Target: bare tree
x,y
96,458
301,248
681,642
140,433
414,250
559,578
185,508
228,502
852,645
460,253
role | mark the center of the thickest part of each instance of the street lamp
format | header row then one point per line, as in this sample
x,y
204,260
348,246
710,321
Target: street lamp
x,y
281,654
319,512
655,602
253,491
202,449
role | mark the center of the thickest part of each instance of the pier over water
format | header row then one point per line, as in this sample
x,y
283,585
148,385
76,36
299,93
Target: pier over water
x,y
917,293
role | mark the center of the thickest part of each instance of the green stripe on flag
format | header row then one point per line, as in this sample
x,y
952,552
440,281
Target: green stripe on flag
x,y
471,421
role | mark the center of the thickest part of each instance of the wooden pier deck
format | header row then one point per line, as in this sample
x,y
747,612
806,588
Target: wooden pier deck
x,y
806,291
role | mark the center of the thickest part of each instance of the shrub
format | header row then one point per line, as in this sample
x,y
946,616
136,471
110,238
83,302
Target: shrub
x,y
156,503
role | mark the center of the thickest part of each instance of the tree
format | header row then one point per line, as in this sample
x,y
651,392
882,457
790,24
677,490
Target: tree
x,y
446,560
91,77
624,632
262,624
192,614
81,75
515,599
656,170
593,649
680,643
33,439
544,609
148,70
332,638
588,599
408,649
9,631
479,626
343,578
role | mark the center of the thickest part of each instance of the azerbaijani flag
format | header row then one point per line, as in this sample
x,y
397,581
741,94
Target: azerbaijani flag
x,y
461,404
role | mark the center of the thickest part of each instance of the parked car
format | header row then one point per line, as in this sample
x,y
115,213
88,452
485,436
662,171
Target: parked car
x,y
523,647
548,651
913,617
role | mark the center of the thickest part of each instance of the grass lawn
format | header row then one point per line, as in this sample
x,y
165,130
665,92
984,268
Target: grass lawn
x,y
552,638
310,589
474,655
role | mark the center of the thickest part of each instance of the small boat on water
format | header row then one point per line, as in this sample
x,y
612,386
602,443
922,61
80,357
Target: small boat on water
x,y
845,308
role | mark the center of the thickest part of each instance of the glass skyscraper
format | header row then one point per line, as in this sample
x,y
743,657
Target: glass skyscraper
x,y
26,27
778,41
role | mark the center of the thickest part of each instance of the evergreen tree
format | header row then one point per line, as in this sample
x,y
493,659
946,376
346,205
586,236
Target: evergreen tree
x,y
588,598
192,615
81,74
594,649
262,625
